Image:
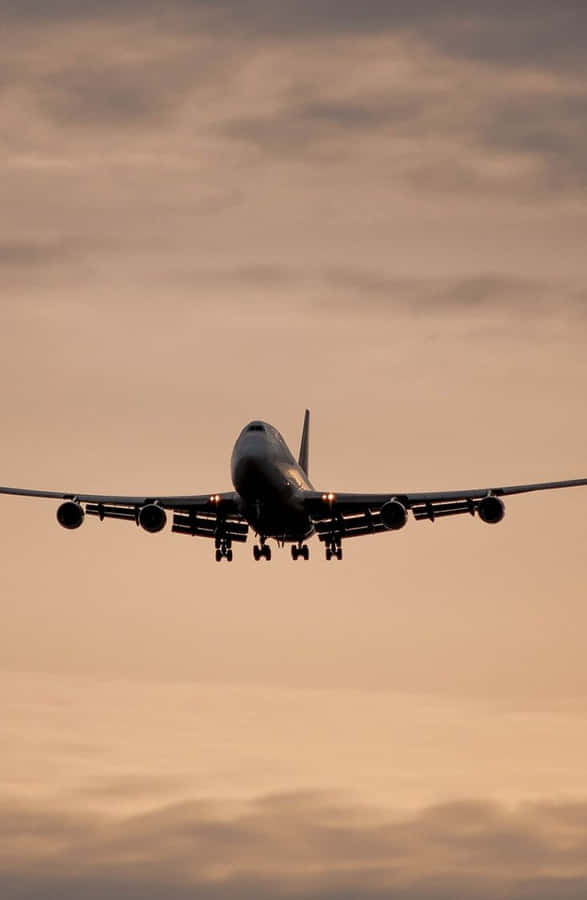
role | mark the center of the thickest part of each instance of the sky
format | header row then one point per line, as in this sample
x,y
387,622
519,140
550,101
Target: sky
x,y
214,212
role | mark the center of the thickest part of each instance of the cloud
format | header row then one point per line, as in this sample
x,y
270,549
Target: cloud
x,y
529,32
429,97
486,293
301,126
551,127
298,845
110,94
33,253
30,258
524,136
131,786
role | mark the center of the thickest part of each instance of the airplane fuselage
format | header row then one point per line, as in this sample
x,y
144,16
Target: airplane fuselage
x,y
270,484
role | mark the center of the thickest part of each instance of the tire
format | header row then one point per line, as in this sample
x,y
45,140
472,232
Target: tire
x,y
229,555
306,553
267,552
329,554
218,555
256,553
294,552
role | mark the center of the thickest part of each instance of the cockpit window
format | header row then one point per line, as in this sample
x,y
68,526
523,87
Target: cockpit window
x,y
256,428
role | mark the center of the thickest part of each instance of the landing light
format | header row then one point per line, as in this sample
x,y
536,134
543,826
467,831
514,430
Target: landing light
x,y
214,498
328,497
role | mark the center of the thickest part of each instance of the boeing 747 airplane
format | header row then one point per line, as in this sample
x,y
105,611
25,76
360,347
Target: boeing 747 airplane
x,y
274,498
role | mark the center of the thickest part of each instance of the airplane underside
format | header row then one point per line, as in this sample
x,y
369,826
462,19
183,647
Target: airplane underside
x,y
285,523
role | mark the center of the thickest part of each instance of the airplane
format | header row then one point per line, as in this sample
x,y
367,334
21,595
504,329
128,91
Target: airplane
x,y
274,498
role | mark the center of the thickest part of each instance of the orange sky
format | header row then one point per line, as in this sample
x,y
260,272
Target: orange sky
x,y
236,211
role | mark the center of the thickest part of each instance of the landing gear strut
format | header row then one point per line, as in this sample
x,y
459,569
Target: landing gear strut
x,y
262,552
301,550
333,549
223,549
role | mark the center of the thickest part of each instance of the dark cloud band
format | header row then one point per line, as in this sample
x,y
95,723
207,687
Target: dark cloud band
x,y
536,31
302,846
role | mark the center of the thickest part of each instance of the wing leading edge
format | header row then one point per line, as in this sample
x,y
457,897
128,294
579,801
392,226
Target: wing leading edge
x,y
167,502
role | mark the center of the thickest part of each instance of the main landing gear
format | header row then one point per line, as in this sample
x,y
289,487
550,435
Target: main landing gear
x,y
262,552
301,550
333,549
223,549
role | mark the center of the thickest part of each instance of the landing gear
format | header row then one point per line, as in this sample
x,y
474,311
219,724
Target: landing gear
x,y
262,552
223,549
301,550
333,549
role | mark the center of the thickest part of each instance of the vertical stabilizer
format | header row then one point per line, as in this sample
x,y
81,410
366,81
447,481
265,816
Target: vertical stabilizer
x,y
304,458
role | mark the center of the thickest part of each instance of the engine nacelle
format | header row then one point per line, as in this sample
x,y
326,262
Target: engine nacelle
x,y
152,518
394,515
491,510
70,515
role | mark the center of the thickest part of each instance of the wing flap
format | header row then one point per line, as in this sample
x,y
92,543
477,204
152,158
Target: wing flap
x,y
434,511
210,526
104,511
343,526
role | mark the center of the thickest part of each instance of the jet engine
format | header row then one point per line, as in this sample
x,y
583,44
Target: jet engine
x,y
152,518
491,510
70,515
394,515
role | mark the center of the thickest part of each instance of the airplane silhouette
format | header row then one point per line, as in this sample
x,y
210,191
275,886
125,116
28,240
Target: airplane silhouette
x,y
273,496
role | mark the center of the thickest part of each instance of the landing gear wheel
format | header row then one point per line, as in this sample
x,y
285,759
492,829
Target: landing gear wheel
x,y
262,552
301,550
218,555
339,553
229,556
328,553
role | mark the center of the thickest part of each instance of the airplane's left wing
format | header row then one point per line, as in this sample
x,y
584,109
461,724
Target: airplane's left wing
x,y
341,515
205,515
